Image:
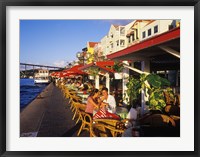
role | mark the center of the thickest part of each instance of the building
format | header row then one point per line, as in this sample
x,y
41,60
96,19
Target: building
x,y
117,38
105,45
155,27
98,52
90,51
133,35
120,37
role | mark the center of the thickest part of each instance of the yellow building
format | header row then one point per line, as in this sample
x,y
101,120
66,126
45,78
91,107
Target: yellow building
x,y
90,51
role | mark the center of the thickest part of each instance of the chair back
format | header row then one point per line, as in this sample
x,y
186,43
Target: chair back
x,y
110,127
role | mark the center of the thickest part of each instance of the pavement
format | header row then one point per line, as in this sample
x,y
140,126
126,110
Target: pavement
x,y
49,115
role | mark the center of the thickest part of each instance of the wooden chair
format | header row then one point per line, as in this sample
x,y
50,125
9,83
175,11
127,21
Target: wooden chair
x,y
158,120
78,111
109,127
75,108
86,123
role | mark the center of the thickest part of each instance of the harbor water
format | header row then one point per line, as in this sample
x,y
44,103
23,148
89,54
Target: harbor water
x,y
29,91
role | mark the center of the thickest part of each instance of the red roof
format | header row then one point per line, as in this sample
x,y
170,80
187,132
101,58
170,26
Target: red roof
x,y
92,44
155,40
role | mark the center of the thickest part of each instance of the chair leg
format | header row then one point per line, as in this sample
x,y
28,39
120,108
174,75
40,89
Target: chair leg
x,y
74,115
82,126
78,119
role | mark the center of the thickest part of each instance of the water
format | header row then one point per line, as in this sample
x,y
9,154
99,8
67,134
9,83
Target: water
x,y
28,91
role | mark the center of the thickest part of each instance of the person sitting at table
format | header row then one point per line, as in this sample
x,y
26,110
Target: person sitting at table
x,y
109,100
92,105
84,88
78,84
81,85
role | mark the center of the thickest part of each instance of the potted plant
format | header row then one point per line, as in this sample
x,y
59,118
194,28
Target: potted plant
x,y
118,67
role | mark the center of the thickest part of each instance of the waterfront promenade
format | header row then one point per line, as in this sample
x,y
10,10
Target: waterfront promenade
x,y
49,115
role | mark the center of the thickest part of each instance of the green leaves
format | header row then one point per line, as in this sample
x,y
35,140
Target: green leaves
x,y
156,87
157,81
118,67
133,90
93,71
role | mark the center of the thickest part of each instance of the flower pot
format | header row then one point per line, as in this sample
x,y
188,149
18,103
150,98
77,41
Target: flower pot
x,y
118,76
91,77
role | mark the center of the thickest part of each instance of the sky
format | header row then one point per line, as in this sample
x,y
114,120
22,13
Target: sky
x,y
56,42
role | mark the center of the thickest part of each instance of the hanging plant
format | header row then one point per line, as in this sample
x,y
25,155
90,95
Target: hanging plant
x,y
118,67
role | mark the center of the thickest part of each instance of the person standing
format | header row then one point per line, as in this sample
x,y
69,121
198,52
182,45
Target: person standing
x,y
109,100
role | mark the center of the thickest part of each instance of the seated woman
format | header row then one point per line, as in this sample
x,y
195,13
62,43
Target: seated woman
x,y
92,102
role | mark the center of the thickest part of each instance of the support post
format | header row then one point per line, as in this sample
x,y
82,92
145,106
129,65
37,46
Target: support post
x,y
108,82
97,81
145,67
124,82
25,71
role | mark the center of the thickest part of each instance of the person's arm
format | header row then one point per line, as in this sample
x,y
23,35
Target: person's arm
x,y
93,103
102,98
103,104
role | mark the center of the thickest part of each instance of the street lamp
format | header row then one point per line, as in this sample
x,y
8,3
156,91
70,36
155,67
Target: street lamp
x,y
82,56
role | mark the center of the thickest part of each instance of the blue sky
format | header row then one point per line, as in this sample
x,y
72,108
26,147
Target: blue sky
x,y
56,42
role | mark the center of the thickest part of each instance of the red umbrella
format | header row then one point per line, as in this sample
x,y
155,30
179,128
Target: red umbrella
x,y
52,74
75,71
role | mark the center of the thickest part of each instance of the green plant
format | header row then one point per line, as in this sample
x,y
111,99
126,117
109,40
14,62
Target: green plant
x,y
133,90
93,71
154,87
118,66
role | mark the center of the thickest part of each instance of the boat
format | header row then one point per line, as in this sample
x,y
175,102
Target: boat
x,y
41,76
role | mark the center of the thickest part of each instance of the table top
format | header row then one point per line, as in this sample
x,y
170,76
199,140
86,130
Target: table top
x,y
121,110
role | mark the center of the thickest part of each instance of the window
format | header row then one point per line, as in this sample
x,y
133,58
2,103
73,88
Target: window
x,y
129,39
133,37
117,42
136,31
122,31
143,34
111,46
149,32
122,42
171,27
111,35
156,29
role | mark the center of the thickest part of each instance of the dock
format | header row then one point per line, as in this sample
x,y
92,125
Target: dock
x,y
49,115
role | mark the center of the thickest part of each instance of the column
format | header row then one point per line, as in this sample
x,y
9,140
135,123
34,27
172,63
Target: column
x,y
145,67
124,82
108,81
97,81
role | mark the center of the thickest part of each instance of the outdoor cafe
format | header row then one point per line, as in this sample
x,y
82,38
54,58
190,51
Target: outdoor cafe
x,y
149,103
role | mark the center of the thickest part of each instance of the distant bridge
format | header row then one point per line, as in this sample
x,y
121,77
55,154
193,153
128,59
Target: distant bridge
x,y
41,66
27,72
